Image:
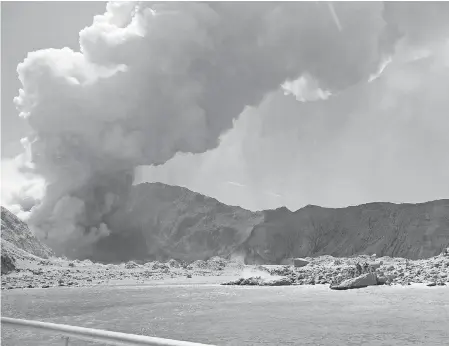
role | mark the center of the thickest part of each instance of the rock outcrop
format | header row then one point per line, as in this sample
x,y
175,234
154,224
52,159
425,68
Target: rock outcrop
x,y
300,262
17,234
343,274
18,243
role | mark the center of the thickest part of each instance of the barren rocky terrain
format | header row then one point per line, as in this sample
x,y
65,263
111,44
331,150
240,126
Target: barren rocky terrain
x,y
56,272
209,239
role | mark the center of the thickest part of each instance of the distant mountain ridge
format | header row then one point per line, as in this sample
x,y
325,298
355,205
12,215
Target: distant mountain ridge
x,y
161,222
385,229
164,221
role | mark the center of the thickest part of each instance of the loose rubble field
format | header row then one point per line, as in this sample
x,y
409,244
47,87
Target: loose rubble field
x,y
37,273
338,271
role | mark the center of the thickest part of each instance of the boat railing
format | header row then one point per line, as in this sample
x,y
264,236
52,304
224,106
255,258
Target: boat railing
x,y
95,335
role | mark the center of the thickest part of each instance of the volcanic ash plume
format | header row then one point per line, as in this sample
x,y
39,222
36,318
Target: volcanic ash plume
x,y
152,80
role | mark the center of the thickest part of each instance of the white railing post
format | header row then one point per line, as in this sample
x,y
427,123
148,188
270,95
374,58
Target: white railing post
x,y
96,335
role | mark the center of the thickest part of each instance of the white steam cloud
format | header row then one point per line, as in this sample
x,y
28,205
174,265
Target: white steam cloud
x,y
21,190
155,79
305,88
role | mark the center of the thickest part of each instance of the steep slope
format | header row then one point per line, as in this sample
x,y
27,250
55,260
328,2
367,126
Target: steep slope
x,y
162,221
18,243
16,236
386,229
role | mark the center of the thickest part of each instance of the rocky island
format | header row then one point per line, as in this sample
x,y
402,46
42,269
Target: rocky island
x,y
257,253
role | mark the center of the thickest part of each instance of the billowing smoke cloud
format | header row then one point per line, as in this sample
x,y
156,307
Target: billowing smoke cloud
x,y
380,141
152,80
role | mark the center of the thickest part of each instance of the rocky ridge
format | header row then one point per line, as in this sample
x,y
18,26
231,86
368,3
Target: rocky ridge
x,y
162,222
16,232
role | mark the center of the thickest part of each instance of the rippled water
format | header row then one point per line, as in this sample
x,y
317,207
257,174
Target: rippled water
x,y
229,315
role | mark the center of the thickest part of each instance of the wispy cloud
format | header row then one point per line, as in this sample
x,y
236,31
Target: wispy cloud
x,y
235,184
381,69
334,15
272,194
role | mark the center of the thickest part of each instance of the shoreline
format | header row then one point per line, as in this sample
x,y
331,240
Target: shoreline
x,y
152,285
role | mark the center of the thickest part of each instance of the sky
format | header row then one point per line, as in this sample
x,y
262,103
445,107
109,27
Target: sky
x,y
383,138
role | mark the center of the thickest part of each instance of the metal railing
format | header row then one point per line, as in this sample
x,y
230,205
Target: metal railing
x,y
96,335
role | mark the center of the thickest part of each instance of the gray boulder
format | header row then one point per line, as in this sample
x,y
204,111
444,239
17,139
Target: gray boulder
x,y
131,265
382,280
8,264
300,262
174,264
365,280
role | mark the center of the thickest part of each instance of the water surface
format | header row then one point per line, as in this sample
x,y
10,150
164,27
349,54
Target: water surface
x,y
232,315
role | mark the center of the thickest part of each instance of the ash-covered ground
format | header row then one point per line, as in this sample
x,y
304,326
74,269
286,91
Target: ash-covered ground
x,y
33,272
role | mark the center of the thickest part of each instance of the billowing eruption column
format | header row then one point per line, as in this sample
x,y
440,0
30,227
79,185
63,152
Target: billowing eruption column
x,y
152,80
